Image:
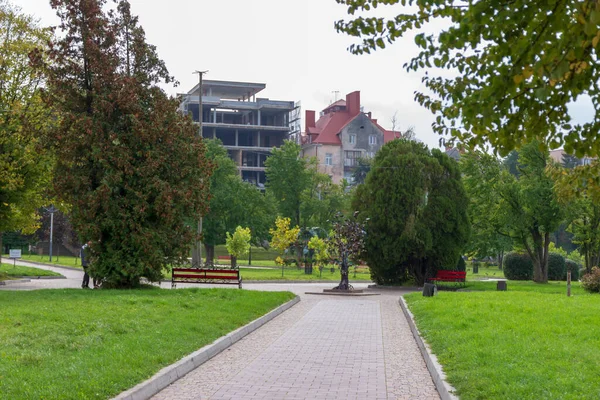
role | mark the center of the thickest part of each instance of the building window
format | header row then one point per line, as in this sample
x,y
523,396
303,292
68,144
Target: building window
x,y
352,139
328,159
372,139
351,157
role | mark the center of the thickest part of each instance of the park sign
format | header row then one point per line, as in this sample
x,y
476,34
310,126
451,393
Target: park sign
x,y
14,253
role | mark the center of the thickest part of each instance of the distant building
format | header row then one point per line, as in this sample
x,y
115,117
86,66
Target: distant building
x,y
249,127
454,152
343,134
559,157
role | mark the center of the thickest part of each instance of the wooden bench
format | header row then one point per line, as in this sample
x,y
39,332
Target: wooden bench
x,y
449,276
224,276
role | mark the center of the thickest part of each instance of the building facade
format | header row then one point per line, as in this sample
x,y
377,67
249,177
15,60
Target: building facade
x,y
249,126
343,134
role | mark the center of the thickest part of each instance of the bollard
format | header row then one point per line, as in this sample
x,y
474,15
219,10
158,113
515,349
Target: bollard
x,y
429,290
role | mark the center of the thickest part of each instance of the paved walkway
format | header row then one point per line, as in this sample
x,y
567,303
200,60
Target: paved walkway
x,y
325,347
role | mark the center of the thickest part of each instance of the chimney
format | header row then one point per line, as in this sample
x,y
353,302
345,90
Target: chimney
x,y
309,120
353,103
369,114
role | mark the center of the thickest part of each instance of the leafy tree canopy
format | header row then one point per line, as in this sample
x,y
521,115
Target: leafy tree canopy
x,y
530,208
25,165
233,202
287,178
128,163
417,210
519,64
482,176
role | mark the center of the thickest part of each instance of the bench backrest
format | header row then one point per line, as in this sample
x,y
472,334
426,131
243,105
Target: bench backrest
x,y
444,274
205,273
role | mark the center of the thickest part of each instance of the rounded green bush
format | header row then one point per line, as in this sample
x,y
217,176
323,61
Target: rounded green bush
x,y
574,268
461,265
557,270
518,267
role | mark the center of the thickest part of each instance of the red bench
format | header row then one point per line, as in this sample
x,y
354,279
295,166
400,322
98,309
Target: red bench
x,y
224,276
449,276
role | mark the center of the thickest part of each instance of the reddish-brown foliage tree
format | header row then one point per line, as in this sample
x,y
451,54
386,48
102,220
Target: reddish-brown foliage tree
x,y
346,242
129,164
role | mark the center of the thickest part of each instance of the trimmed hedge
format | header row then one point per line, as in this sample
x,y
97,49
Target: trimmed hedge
x,y
574,268
557,270
518,267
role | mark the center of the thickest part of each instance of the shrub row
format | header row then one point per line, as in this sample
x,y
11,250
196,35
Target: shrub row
x,y
519,267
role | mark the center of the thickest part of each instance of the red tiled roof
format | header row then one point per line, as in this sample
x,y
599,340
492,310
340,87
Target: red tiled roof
x,y
340,102
329,125
388,136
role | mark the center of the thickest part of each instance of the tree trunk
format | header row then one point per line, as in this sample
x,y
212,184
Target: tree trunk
x,y
1,248
588,265
299,249
344,283
210,254
233,262
545,257
501,259
539,256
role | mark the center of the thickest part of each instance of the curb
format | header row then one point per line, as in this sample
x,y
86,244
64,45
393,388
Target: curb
x,y
396,288
173,372
12,281
52,265
42,277
444,389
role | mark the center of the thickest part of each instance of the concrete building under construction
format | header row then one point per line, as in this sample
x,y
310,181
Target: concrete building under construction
x,y
249,126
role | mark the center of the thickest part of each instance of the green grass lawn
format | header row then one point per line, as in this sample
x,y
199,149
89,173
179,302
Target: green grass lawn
x,y
66,261
295,274
10,270
485,271
76,344
530,342
553,287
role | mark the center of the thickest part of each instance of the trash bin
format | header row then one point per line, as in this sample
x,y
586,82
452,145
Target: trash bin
x,y
429,290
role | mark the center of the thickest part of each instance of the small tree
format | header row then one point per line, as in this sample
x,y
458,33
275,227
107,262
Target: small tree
x,y
346,242
238,244
321,256
283,237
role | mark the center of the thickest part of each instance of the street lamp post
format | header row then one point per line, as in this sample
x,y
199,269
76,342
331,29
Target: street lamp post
x,y
51,210
197,250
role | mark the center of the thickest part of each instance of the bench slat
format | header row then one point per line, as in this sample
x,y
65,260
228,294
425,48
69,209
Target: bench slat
x,y
203,270
449,276
206,275
231,277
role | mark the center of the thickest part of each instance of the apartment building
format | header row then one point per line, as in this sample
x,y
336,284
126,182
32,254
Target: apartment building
x,y
343,134
249,126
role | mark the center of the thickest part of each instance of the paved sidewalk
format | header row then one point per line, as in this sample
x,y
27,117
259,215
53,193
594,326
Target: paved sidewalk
x,y
325,347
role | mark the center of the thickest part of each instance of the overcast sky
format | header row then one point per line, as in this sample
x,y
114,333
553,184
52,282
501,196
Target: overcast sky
x,y
290,45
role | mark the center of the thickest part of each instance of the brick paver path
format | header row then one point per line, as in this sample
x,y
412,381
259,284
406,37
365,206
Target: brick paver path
x,y
325,347
322,348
